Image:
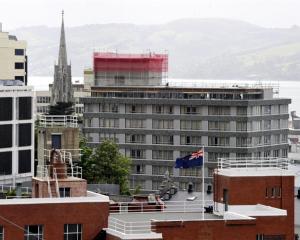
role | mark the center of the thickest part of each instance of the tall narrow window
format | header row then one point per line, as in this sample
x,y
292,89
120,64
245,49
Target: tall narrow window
x,y
34,232
73,232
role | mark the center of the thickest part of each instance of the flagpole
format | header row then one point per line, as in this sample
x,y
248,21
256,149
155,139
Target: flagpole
x,y
203,159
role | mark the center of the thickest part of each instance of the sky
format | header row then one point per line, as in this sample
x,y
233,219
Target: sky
x,y
266,13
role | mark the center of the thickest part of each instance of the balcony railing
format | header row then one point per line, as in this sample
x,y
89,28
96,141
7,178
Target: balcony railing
x,y
269,162
58,121
43,171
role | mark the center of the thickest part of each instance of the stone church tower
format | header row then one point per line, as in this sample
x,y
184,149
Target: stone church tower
x,y
62,90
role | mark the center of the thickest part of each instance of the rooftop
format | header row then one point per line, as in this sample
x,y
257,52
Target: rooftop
x,y
254,167
90,198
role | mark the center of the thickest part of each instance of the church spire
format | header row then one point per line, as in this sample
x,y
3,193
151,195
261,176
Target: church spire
x,y
62,56
62,90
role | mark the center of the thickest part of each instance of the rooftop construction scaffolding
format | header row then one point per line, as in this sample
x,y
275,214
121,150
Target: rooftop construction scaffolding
x,y
129,69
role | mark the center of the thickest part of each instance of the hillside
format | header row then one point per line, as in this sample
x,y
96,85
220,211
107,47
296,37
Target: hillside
x,y
198,48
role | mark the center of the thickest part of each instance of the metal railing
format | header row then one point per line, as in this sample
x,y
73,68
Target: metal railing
x,y
56,182
6,188
140,227
168,207
58,121
67,155
44,171
271,162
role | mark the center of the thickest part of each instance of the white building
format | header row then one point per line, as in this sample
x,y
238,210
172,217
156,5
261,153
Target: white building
x,y
17,134
13,59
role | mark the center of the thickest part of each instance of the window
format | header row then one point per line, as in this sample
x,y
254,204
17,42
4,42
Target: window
x,y
43,99
65,192
1,233
242,126
24,161
72,232
218,125
190,140
6,109
108,136
136,153
267,124
24,134
161,170
276,153
6,135
241,111
218,141
191,172
106,107
162,154
162,139
20,78
189,110
135,123
216,110
138,169
267,109
19,65
162,109
162,124
19,52
25,108
108,123
35,232
243,142
135,108
190,125
284,138
135,138
283,109
277,138
5,163
267,140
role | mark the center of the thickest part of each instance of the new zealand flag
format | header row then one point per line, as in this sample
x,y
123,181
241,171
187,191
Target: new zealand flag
x,y
193,160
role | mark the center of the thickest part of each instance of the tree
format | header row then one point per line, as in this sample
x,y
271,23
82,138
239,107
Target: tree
x,y
105,165
62,108
87,162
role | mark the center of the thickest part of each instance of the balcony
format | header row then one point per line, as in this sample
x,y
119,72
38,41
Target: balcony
x,y
58,121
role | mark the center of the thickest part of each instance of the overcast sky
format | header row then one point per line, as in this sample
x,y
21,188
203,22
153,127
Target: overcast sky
x,y
268,13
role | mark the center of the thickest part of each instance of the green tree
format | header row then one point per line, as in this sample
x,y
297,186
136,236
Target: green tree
x,y
105,165
87,162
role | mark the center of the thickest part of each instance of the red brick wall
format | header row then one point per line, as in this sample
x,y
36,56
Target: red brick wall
x,y
223,230
252,190
93,217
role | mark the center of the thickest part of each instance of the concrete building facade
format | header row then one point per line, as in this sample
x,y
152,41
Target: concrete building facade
x,y
17,134
13,58
155,125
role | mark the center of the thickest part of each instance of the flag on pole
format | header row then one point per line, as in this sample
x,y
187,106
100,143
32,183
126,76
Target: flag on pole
x,y
193,160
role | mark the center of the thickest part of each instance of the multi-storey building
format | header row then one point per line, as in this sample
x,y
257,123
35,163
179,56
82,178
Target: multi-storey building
x,y
154,125
17,134
13,59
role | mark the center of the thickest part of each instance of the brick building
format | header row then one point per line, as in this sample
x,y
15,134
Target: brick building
x,y
252,200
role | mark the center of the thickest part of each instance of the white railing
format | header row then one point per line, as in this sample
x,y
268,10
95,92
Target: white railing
x,y
204,83
6,188
56,182
140,227
163,207
271,162
48,183
43,171
58,121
